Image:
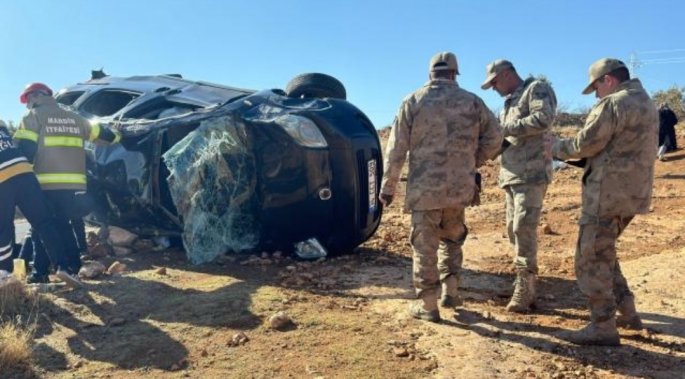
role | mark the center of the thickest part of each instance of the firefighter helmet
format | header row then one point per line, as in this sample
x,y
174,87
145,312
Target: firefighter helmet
x,y
34,87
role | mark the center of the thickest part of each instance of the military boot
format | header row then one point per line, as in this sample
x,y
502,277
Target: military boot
x,y
602,333
450,292
426,308
524,292
626,316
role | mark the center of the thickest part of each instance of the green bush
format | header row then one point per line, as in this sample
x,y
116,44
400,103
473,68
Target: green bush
x,y
673,97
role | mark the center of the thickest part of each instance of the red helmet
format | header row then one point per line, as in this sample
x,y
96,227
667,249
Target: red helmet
x,y
33,87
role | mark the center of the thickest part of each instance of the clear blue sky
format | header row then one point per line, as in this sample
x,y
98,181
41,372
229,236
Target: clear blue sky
x,y
378,48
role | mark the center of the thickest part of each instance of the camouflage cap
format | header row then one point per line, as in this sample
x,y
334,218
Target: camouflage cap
x,y
601,68
2,124
444,61
495,68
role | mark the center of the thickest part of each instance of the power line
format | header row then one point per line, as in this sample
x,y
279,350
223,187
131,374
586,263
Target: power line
x,y
660,51
662,60
635,62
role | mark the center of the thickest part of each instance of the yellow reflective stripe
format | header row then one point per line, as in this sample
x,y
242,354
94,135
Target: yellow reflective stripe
x,y
61,178
94,131
12,171
117,137
26,134
63,141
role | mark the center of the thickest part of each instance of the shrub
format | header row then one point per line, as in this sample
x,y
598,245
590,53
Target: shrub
x,y
15,346
672,96
18,314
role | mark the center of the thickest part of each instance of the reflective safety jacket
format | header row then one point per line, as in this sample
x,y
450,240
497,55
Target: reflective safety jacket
x,y
12,161
53,139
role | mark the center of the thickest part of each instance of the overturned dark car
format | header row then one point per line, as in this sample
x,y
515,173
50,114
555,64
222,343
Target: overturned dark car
x,y
233,170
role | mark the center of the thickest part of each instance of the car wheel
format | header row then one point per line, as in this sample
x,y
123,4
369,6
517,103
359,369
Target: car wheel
x,y
316,85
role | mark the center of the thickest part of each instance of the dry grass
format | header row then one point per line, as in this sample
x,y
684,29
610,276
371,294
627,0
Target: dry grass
x,y
14,299
15,346
17,322
565,131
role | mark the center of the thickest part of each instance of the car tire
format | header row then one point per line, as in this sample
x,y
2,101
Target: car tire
x,y
316,85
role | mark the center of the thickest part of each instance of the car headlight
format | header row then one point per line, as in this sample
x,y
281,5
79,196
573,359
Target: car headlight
x,y
303,130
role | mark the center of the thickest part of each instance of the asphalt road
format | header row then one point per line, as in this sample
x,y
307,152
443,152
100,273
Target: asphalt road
x,y
20,228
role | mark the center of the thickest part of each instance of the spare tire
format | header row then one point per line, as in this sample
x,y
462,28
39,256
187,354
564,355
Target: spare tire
x,y
316,85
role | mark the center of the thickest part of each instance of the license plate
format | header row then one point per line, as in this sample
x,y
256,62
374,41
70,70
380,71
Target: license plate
x,y
373,199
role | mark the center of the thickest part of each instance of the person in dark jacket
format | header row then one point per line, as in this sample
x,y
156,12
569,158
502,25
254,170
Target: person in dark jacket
x,y
667,122
19,188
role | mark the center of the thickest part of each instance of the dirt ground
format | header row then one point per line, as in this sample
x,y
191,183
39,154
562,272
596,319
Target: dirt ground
x,y
349,313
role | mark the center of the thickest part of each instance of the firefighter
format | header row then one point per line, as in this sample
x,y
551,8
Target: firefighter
x,y
20,188
52,138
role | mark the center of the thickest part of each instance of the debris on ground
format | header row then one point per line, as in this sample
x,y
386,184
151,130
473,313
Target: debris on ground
x,y
143,245
121,251
116,268
280,320
121,237
92,270
46,287
238,339
114,241
100,250
559,165
98,244
310,249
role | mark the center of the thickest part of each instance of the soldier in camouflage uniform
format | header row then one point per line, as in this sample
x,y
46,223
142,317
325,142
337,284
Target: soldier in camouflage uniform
x,y
526,168
619,141
448,133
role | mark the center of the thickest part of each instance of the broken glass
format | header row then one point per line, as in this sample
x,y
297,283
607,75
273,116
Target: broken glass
x,y
212,182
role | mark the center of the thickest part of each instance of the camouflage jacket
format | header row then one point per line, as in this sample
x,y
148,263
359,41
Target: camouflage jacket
x,y
619,140
526,119
448,133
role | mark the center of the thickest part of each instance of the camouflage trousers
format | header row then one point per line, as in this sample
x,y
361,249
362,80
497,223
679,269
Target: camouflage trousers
x,y
524,205
597,270
436,239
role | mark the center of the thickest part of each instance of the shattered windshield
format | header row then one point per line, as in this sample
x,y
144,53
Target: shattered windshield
x,y
212,182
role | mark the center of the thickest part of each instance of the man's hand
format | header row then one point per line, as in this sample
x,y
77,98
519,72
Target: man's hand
x,y
386,200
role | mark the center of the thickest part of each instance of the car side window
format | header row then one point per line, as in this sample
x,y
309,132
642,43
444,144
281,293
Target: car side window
x,y
68,98
159,108
109,102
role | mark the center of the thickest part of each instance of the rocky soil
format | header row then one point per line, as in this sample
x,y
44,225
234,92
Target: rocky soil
x,y
269,316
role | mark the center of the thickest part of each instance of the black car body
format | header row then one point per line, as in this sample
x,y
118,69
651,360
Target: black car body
x,y
288,169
